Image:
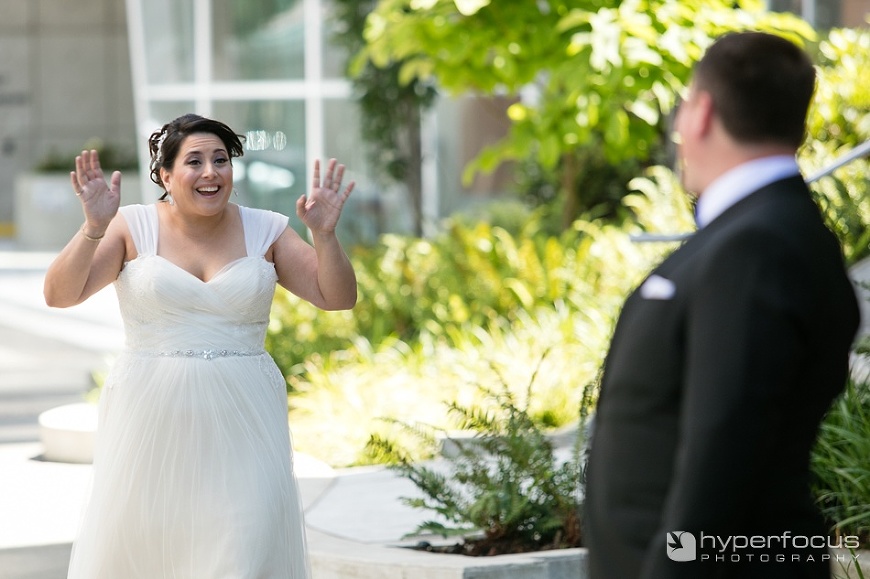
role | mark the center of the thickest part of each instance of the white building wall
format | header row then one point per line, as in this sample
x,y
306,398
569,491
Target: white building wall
x,y
64,81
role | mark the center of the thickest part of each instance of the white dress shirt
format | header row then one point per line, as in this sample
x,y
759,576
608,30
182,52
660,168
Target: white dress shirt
x,y
740,182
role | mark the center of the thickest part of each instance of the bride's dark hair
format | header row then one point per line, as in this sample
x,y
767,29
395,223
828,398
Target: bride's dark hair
x,y
165,142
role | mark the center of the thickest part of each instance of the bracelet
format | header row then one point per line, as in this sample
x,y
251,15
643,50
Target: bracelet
x,y
88,237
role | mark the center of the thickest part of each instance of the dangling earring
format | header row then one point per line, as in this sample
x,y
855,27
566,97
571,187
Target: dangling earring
x,y
235,192
169,197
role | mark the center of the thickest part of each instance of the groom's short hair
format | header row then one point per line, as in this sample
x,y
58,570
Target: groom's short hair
x,y
761,85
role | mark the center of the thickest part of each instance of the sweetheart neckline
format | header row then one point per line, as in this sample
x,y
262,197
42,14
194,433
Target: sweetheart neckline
x,y
217,274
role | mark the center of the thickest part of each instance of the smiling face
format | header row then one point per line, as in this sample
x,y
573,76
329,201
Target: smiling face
x,y
201,178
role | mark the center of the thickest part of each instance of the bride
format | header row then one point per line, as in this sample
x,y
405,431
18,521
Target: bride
x,y
192,470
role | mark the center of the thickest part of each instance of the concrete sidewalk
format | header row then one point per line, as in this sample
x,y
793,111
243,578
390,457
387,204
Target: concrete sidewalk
x,y
46,360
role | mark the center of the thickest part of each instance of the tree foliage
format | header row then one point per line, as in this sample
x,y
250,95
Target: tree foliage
x,y
391,110
839,121
594,79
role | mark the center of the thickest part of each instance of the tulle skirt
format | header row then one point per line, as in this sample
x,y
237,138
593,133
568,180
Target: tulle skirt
x,y
193,475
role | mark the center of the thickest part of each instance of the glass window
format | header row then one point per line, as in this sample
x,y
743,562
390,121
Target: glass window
x,y
258,39
334,53
253,42
168,40
272,172
375,206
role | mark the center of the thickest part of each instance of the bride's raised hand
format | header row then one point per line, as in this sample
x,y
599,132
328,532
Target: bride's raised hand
x,y
100,198
322,208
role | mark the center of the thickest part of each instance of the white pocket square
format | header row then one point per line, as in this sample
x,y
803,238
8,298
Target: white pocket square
x,y
657,288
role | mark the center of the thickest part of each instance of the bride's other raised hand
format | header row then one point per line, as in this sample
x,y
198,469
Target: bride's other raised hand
x,y
100,198
321,209
94,256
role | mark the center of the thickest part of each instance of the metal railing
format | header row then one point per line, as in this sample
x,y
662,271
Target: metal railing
x,y
858,152
861,150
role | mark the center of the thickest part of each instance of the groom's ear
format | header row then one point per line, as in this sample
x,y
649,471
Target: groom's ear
x,y
705,111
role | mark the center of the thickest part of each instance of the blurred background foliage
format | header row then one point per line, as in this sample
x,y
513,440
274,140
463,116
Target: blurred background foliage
x,y
433,314
391,109
547,270
503,283
840,120
594,82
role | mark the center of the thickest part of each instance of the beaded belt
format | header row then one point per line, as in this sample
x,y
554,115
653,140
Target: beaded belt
x,y
204,354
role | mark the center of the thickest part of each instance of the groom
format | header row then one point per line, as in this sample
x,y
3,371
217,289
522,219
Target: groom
x,y
727,356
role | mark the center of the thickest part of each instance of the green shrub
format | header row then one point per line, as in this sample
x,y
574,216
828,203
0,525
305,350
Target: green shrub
x,y
844,199
112,158
841,109
506,483
841,463
434,313
299,331
344,398
469,276
839,120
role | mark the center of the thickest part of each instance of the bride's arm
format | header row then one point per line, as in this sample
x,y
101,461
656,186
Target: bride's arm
x,y
94,256
84,267
322,274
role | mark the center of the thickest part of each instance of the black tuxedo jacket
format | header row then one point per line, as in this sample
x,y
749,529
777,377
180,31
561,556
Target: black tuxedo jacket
x,y
721,367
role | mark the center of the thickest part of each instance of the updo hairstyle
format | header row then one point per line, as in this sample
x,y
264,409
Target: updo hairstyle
x,y
165,143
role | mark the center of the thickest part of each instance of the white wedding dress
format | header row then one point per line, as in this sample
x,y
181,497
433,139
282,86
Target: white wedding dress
x,y
192,469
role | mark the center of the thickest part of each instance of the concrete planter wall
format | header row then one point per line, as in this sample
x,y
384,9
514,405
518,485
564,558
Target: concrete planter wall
x,y
47,212
68,433
337,558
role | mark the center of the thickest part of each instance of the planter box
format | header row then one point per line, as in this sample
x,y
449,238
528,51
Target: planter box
x,y
48,213
68,433
562,438
336,558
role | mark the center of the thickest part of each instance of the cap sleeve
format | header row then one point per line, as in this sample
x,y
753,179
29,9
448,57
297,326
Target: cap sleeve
x,y
142,223
262,229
